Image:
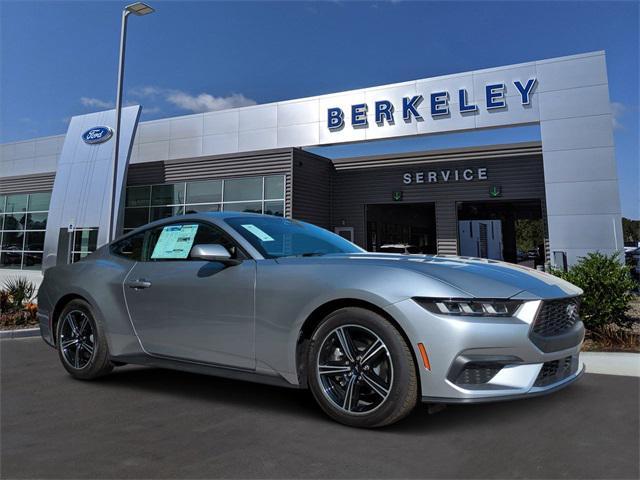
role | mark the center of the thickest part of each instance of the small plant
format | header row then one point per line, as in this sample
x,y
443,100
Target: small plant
x,y
608,287
612,337
17,309
16,294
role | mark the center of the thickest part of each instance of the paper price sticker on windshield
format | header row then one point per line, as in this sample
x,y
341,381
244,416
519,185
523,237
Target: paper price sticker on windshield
x,y
263,236
175,242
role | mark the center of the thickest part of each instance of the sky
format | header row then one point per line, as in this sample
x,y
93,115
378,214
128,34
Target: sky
x,y
59,59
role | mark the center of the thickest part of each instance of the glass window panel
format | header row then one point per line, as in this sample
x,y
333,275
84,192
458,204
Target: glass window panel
x,y
138,196
274,187
16,203
32,261
167,194
12,240
1,221
135,217
204,192
158,213
130,247
85,240
10,259
251,207
37,221
3,199
14,221
274,208
34,241
76,256
214,207
243,189
39,201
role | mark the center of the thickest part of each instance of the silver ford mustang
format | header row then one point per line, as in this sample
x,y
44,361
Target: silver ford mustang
x,y
284,302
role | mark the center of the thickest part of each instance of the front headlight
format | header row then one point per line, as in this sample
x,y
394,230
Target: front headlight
x,y
467,307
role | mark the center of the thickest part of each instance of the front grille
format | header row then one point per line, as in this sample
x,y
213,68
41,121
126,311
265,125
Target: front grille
x,y
555,371
556,317
477,373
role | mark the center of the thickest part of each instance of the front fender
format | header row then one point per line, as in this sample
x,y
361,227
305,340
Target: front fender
x,y
287,295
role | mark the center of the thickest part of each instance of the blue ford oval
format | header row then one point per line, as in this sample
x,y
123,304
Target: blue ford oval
x,y
97,135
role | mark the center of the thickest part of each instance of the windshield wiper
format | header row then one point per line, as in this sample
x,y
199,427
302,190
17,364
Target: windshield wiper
x,y
305,254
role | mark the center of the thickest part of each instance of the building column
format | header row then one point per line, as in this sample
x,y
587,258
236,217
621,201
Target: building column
x,y
582,198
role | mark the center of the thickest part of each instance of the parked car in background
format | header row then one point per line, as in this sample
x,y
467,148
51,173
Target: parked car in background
x,y
283,302
402,248
632,258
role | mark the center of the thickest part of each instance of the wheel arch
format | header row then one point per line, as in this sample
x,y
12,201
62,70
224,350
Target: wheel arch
x,y
320,313
57,310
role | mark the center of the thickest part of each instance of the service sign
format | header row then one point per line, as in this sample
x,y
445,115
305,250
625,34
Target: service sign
x,y
438,104
446,176
97,135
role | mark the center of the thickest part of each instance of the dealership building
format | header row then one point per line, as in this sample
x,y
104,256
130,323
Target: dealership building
x,y
557,196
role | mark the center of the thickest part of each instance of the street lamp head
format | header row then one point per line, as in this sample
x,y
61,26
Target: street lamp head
x,y
139,8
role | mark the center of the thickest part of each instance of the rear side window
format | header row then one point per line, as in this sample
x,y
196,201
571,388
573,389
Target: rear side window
x,y
130,247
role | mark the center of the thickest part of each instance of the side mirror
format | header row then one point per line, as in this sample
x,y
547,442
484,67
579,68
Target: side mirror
x,y
213,252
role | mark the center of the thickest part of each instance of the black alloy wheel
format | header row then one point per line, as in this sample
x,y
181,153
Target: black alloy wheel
x,y
360,369
81,342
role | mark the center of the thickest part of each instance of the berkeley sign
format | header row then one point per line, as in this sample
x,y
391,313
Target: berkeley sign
x,y
384,110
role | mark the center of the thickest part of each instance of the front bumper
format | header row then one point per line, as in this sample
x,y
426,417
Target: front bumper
x,y
500,359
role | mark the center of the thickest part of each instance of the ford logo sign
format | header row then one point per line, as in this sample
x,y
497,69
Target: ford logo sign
x,y
97,135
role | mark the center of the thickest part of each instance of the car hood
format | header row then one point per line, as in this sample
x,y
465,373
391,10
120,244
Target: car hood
x,y
480,278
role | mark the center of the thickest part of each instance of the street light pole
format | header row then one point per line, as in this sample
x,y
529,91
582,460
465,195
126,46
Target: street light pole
x,y
137,9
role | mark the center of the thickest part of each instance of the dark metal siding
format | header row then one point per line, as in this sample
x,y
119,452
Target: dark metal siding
x,y
42,182
521,178
269,162
312,183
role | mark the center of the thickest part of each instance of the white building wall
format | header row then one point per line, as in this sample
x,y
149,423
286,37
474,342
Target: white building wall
x,y
570,102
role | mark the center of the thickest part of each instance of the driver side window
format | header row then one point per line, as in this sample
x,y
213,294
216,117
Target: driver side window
x,y
174,241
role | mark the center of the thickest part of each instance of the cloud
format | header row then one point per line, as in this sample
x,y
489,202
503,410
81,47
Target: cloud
x,y
617,110
146,91
205,102
95,103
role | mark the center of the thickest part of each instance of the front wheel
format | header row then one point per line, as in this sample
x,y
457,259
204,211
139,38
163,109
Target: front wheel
x,y
82,346
361,370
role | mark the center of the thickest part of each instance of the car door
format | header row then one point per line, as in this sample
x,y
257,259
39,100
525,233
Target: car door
x,y
192,309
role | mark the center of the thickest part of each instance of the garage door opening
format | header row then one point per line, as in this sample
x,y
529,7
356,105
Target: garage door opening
x,y
509,231
401,228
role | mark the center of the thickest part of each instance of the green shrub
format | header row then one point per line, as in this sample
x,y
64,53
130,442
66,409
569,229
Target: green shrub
x,y
607,285
17,293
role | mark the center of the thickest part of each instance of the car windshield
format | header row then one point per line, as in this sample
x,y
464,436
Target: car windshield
x,y
276,237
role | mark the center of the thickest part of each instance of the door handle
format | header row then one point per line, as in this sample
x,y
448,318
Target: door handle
x,y
138,284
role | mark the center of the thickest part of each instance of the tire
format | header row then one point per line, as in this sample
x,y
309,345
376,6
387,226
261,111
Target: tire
x,y
81,342
365,390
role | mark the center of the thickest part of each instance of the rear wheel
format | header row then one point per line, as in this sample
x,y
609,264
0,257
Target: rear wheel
x,y
361,370
82,346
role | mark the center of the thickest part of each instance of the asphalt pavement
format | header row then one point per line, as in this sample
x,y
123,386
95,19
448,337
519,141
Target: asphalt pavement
x,y
150,423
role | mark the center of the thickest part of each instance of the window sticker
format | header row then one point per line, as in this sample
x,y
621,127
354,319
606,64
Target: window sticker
x,y
263,236
175,242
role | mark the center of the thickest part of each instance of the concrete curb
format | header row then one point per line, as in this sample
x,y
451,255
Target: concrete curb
x,y
612,363
20,333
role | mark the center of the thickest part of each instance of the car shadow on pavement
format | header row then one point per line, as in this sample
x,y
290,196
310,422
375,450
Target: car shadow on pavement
x,y
216,390
300,403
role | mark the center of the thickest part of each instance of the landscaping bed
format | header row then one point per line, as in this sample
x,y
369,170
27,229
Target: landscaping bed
x,y
17,307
